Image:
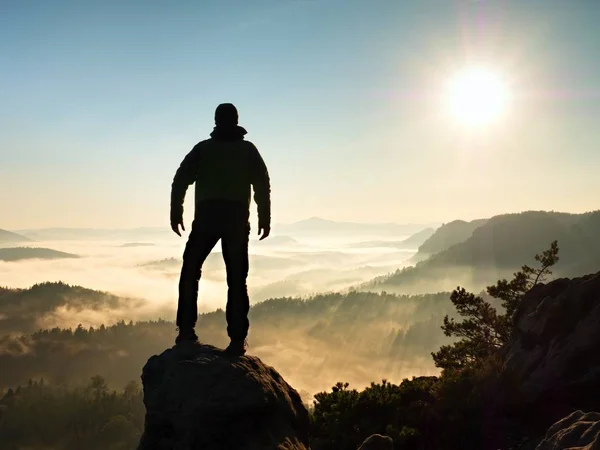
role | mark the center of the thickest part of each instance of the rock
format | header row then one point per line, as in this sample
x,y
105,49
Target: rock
x,y
577,431
377,442
197,397
550,362
3,409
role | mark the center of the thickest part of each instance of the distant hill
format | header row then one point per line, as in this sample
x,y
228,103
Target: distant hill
x,y
8,237
163,264
446,236
20,253
215,259
274,241
418,239
499,247
411,242
319,332
318,226
24,310
137,244
313,226
376,244
97,234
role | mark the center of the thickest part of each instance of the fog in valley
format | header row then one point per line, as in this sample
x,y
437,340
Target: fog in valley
x,y
147,267
136,271
332,301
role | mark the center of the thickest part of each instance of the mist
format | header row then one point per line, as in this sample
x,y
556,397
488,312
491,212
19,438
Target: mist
x,y
142,272
147,269
354,337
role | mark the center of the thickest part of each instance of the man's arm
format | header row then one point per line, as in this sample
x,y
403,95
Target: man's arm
x,y
185,175
262,191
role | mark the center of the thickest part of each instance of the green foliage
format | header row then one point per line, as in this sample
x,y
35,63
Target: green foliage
x,y
484,330
343,418
447,412
450,412
512,292
459,410
454,411
23,308
40,416
392,326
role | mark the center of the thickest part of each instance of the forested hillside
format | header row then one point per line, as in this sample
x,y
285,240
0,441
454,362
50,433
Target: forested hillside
x,y
357,328
497,247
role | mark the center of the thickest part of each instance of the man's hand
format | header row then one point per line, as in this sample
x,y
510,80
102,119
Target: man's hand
x,y
265,230
175,223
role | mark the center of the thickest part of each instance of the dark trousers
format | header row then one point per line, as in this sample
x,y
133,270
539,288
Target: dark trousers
x,y
214,220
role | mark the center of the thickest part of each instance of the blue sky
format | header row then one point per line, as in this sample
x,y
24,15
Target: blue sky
x,y
100,101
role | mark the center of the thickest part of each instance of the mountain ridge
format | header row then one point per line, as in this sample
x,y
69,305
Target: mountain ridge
x,y
10,237
501,244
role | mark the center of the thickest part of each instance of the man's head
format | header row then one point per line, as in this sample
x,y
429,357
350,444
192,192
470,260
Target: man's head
x,y
226,115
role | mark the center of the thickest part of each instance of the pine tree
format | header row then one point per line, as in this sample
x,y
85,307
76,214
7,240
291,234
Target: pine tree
x,y
484,330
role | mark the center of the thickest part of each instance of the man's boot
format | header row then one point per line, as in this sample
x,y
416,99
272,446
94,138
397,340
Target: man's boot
x,y
186,334
237,347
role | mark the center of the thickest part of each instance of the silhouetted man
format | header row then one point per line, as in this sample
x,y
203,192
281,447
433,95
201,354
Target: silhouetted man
x,y
224,168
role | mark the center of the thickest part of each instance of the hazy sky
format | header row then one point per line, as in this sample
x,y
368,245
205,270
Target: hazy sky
x,y
100,101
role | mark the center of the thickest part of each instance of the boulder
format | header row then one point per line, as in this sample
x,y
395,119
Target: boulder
x,y
197,397
577,431
377,442
550,362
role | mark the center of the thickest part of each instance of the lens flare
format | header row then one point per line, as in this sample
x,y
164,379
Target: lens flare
x,y
477,96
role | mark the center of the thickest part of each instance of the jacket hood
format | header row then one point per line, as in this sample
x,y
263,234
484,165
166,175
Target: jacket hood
x,y
228,133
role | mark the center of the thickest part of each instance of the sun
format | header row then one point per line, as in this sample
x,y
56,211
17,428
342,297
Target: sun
x,y
477,96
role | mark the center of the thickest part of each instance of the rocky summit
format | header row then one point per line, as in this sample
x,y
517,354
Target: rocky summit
x,y
198,397
550,361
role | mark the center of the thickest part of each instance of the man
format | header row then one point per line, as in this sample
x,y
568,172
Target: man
x,y
224,168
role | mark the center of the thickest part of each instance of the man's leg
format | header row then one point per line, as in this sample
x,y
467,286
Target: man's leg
x,y
201,241
235,254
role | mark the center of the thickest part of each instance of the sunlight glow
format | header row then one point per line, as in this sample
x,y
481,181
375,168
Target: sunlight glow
x,y
477,96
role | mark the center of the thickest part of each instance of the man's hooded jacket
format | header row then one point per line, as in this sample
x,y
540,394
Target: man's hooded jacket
x,y
224,167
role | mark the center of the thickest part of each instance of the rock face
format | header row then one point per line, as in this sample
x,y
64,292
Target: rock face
x,y
551,361
377,442
197,397
578,431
